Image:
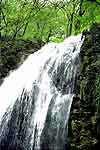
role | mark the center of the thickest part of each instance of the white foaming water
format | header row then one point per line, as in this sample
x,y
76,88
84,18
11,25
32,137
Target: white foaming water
x,y
47,78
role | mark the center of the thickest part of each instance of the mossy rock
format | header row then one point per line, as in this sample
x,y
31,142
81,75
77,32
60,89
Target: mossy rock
x,y
87,126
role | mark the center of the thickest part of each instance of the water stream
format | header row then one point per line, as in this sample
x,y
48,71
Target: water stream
x,y
35,99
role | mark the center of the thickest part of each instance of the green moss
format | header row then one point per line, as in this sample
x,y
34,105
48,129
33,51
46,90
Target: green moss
x,y
84,129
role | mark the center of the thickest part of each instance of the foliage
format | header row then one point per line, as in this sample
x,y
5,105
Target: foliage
x,y
42,20
91,14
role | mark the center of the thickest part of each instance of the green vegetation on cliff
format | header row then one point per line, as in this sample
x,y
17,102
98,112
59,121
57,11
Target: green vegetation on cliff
x,y
98,92
85,113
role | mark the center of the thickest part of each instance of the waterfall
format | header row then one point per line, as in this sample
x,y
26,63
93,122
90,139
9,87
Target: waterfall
x,y
35,99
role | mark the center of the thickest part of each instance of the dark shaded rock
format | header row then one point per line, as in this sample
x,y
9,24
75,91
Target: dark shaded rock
x,y
84,122
14,52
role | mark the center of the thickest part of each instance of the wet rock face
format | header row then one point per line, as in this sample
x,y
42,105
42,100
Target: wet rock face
x,y
84,122
14,52
90,71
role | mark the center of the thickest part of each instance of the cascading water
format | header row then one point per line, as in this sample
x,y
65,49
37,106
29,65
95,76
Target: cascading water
x,y
35,100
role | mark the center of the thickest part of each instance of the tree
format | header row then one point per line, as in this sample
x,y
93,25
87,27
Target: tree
x,y
46,19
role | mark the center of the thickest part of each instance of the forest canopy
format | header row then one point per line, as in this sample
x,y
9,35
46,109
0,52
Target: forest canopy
x,y
26,25
47,20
